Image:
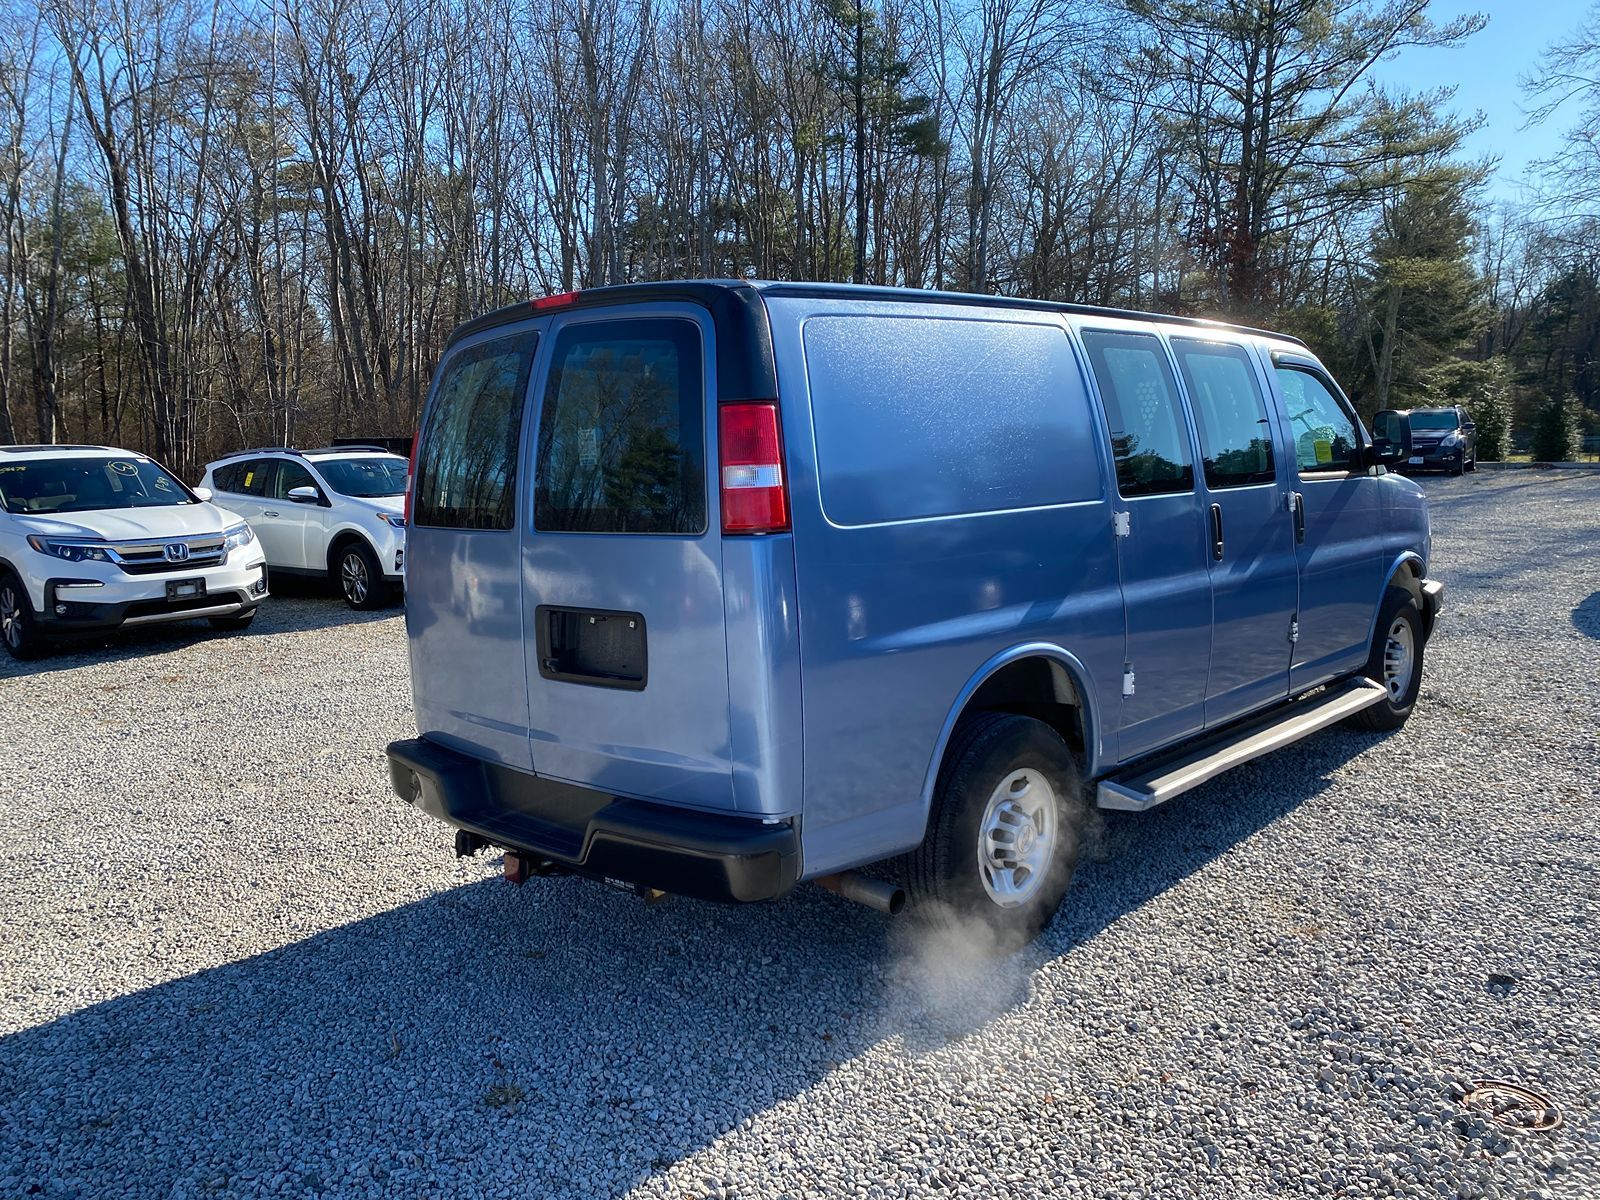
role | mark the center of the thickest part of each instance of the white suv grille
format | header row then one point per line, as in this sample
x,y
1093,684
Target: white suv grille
x,y
155,558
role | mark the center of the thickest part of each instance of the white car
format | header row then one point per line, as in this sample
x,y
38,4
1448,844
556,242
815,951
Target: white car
x,y
93,538
338,513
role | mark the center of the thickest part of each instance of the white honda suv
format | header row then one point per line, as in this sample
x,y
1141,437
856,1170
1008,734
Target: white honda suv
x,y
338,513
93,538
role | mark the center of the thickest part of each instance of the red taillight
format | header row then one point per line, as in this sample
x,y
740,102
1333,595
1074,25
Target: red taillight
x,y
411,474
559,300
754,497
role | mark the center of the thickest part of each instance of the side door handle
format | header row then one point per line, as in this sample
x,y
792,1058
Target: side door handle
x,y
267,512
1297,505
1216,532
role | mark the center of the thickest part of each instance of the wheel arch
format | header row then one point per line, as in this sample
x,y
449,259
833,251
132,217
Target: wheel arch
x,y
343,537
1038,679
1405,571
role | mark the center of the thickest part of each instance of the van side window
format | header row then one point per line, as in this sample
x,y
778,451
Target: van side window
x,y
1325,437
226,479
1235,435
622,435
1148,432
467,466
926,417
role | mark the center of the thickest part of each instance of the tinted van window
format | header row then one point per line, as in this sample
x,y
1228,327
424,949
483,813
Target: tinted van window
x,y
916,417
622,434
1235,435
1325,437
1149,435
467,465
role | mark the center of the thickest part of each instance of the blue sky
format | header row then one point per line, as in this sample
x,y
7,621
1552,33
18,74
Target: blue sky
x,y
1484,71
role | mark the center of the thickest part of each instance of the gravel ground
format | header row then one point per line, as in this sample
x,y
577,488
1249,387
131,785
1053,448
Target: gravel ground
x,y
232,964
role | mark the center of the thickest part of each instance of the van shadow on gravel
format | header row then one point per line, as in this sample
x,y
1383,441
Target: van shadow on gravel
x,y
564,1032
1586,616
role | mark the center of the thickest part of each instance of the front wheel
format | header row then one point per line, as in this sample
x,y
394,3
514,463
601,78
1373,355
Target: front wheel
x,y
1002,842
361,577
19,629
1395,661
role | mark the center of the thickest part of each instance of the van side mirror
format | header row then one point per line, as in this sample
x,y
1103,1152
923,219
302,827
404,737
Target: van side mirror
x,y
304,495
1391,438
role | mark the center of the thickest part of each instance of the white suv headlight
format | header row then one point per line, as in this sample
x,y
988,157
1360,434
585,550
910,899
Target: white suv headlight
x,y
395,519
238,535
69,549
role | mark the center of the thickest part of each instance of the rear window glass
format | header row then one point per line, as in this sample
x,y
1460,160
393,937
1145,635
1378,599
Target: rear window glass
x,y
467,465
622,433
247,478
926,417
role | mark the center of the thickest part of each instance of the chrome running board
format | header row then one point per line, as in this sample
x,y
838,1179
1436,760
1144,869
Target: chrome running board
x,y
1147,786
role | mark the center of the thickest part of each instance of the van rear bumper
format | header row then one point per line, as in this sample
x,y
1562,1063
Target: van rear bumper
x,y
678,850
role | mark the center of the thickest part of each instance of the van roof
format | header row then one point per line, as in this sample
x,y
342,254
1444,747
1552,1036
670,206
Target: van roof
x,y
718,292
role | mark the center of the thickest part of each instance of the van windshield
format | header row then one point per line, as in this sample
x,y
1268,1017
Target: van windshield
x,y
63,485
365,476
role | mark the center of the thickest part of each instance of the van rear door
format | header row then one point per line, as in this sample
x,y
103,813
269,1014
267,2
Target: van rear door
x,y
622,605
463,553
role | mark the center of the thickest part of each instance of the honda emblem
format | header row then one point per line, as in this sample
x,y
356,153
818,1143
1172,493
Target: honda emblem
x,y
177,551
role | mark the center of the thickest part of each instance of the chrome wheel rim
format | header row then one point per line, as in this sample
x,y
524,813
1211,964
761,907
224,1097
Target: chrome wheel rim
x,y
1399,659
1017,837
10,617
353,573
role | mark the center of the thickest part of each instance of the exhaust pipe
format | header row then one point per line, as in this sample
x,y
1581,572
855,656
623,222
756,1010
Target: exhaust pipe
x,y
863,889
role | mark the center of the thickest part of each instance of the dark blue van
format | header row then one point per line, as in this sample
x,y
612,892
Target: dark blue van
x,y
715,588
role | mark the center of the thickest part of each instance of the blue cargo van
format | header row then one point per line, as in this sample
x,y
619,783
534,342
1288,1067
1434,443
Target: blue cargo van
x,y
714,588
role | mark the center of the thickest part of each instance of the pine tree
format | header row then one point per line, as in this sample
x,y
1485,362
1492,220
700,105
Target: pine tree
x,y
1555,430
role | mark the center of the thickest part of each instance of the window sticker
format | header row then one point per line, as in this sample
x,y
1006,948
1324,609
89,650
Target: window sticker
x,y
124,468
161,483
1324,450
248,476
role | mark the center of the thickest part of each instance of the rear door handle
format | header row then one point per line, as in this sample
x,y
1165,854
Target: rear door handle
x,y
267,512
1216,532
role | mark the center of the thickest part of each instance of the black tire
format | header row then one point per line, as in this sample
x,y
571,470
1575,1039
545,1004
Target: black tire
x,y
360,577
945,876
1472,464
19,628
1460,467
1391,712
235,623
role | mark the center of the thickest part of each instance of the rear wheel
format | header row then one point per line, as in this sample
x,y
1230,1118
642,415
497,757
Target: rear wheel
x,y
1008,818
19,629
1395,661
361,577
